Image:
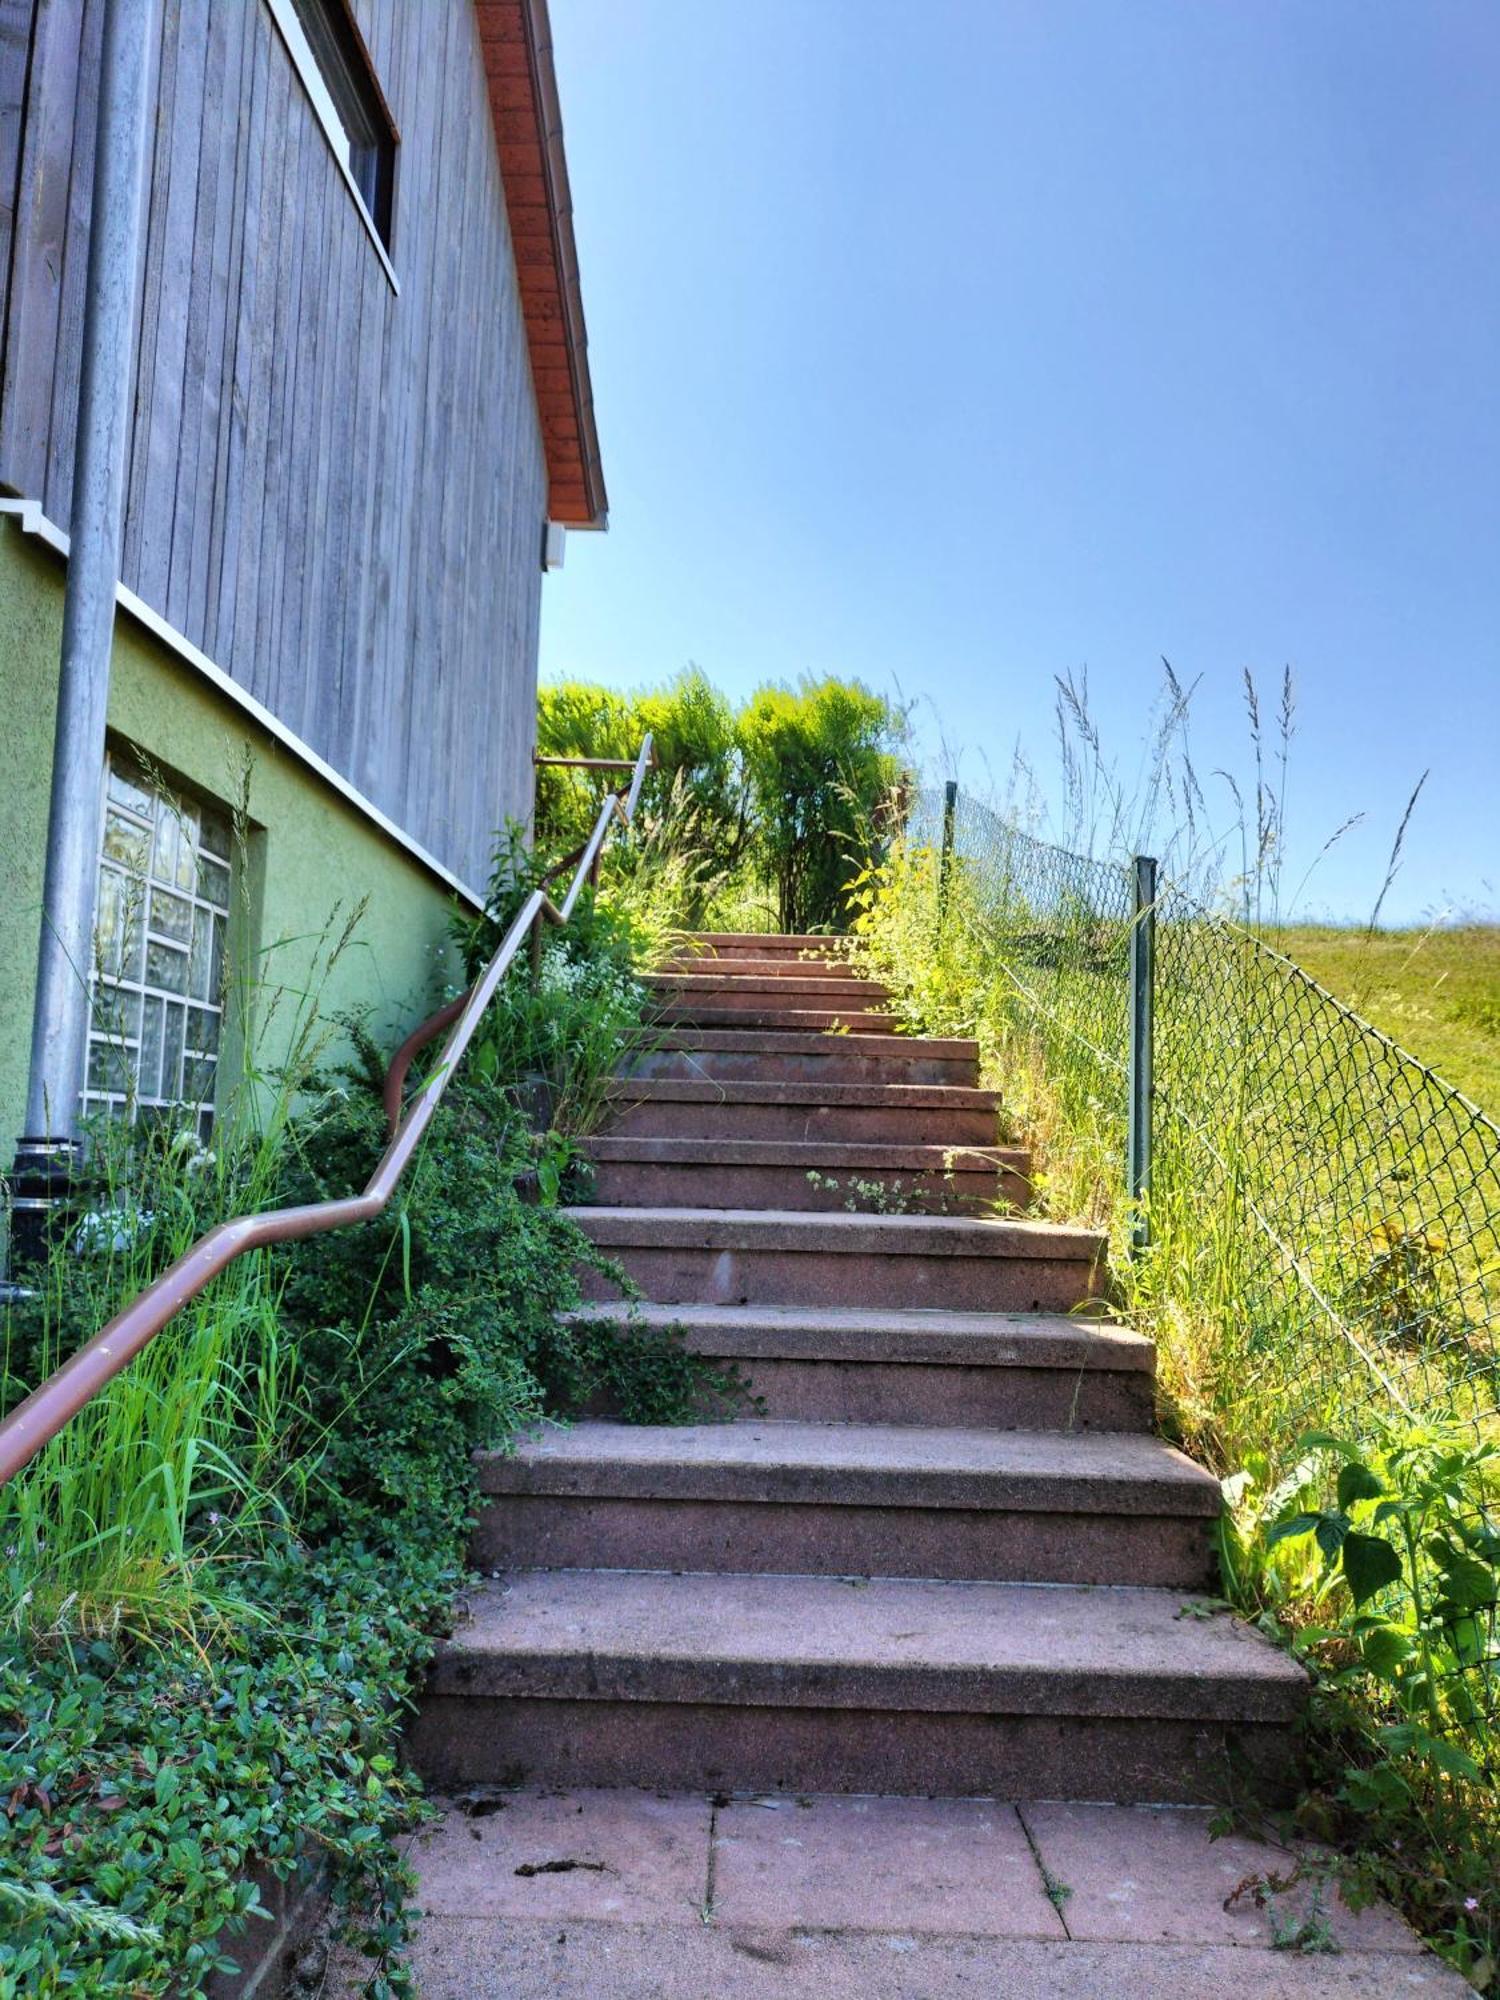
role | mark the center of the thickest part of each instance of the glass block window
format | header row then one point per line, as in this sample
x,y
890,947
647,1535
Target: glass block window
x,y
158,974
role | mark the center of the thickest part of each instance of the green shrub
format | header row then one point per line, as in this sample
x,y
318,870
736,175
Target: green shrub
x,y
821,763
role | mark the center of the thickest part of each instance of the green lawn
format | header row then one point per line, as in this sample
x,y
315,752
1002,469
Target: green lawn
x,y
1435,992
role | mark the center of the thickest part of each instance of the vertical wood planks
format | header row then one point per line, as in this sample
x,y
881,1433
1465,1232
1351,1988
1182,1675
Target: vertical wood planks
x,y
336,492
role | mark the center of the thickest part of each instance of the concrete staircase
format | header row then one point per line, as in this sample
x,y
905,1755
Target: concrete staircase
x,y
952,1556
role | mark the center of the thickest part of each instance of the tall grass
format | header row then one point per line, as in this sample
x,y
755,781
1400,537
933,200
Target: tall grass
x,y
139,1514
1321,1287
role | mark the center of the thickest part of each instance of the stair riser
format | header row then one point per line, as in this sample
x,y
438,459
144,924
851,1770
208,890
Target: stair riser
x,y
787,992
650,1185
765,945
779,1277
551,1531
1002,1399
460,1740
786,966
833,1065
723,1011
896,1124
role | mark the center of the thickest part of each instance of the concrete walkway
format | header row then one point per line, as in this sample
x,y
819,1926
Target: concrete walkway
x,y
621,1895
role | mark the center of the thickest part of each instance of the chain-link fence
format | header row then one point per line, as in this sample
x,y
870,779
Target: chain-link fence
x,y
1324,1210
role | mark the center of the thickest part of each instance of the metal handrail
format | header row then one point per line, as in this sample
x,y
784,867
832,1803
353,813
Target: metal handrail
x,y
37,1420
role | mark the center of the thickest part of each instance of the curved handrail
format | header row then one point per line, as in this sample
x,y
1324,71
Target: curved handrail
x,y
36,1421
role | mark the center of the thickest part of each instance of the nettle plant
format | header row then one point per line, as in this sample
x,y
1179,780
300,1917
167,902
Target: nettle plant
x,y
1409,1534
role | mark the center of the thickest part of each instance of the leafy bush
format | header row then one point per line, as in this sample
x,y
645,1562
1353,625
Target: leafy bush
x,y
821,765
751,818
693,729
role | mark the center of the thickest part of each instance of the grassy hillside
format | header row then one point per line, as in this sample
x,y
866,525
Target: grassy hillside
x,y
1437,993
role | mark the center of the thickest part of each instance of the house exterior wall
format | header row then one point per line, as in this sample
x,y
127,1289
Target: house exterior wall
x,y
335,491
311,855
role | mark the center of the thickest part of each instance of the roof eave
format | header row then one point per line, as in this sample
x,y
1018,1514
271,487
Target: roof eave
x,y
516,37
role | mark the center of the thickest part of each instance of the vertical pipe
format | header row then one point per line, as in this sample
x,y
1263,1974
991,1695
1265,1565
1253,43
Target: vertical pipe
x,y
60,1022
1142,1050
945,858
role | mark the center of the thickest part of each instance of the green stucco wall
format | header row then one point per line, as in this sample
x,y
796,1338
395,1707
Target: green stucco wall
x,y
311,855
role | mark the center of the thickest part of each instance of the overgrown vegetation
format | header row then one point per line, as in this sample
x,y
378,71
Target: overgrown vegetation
x,y
223,1580
1321,1287
768,810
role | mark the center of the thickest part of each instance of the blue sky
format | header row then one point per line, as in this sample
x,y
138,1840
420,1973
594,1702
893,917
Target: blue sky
x,y
963,345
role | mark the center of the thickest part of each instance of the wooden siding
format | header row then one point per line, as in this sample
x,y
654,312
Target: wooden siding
x,y
336,492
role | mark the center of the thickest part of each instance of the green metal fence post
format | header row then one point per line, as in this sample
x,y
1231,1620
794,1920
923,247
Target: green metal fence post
x,y
1142,1050
945,860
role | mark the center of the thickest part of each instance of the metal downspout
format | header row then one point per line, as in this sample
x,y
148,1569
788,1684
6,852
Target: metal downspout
x,y
60,1022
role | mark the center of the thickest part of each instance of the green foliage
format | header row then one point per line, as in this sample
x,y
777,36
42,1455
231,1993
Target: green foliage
x,y
821,766
773,807
693,728
1371,1542
1407,1607
1436,991
562,1022
224,1579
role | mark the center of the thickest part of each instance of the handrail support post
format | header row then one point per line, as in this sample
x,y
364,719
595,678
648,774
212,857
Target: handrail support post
x,y
1141,1083
945,858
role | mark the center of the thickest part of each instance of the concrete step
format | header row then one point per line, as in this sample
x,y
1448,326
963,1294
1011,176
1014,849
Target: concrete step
x,y
850,1499
790,990
762,944
718,1010
779,1057
769,1683
780,1257
787,966
915,1114
865,1364
772,1173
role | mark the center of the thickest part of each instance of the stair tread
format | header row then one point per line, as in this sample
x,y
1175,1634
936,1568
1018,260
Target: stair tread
x,y
702,1012
771,1041
861,1465
884,1333
799,1090
794,984
803,1229
887,1643
773,940
849,1153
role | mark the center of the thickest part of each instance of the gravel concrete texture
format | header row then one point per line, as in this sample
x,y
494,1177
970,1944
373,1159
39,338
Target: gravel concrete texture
x,y
560,1857
863,1899
1156,1876
959,1866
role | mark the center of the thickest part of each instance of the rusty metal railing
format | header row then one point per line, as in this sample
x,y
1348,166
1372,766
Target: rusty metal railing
x,y
42,1415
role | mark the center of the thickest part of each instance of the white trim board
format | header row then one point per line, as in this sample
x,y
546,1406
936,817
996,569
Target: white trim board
x,y
32,521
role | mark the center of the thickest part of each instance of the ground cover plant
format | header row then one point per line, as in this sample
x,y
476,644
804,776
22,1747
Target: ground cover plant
x,y
222,1583
1323,1284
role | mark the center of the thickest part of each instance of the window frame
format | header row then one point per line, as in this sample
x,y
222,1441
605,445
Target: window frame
x,y
354,59
121,1000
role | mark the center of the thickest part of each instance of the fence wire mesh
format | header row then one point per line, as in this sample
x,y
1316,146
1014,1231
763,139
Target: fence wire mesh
x,y
1332,1205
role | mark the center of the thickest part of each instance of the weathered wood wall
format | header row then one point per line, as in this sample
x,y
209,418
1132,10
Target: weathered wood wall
x,y
336,492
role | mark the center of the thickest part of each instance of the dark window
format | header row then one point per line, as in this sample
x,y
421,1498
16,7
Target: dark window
x,y
334,64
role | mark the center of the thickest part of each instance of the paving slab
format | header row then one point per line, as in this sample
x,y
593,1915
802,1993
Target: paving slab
x,y
457,1958
879,1864
560,1856
1153,1874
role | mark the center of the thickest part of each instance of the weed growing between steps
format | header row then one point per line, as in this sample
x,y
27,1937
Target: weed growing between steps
x,y
1354,1423
210,1638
